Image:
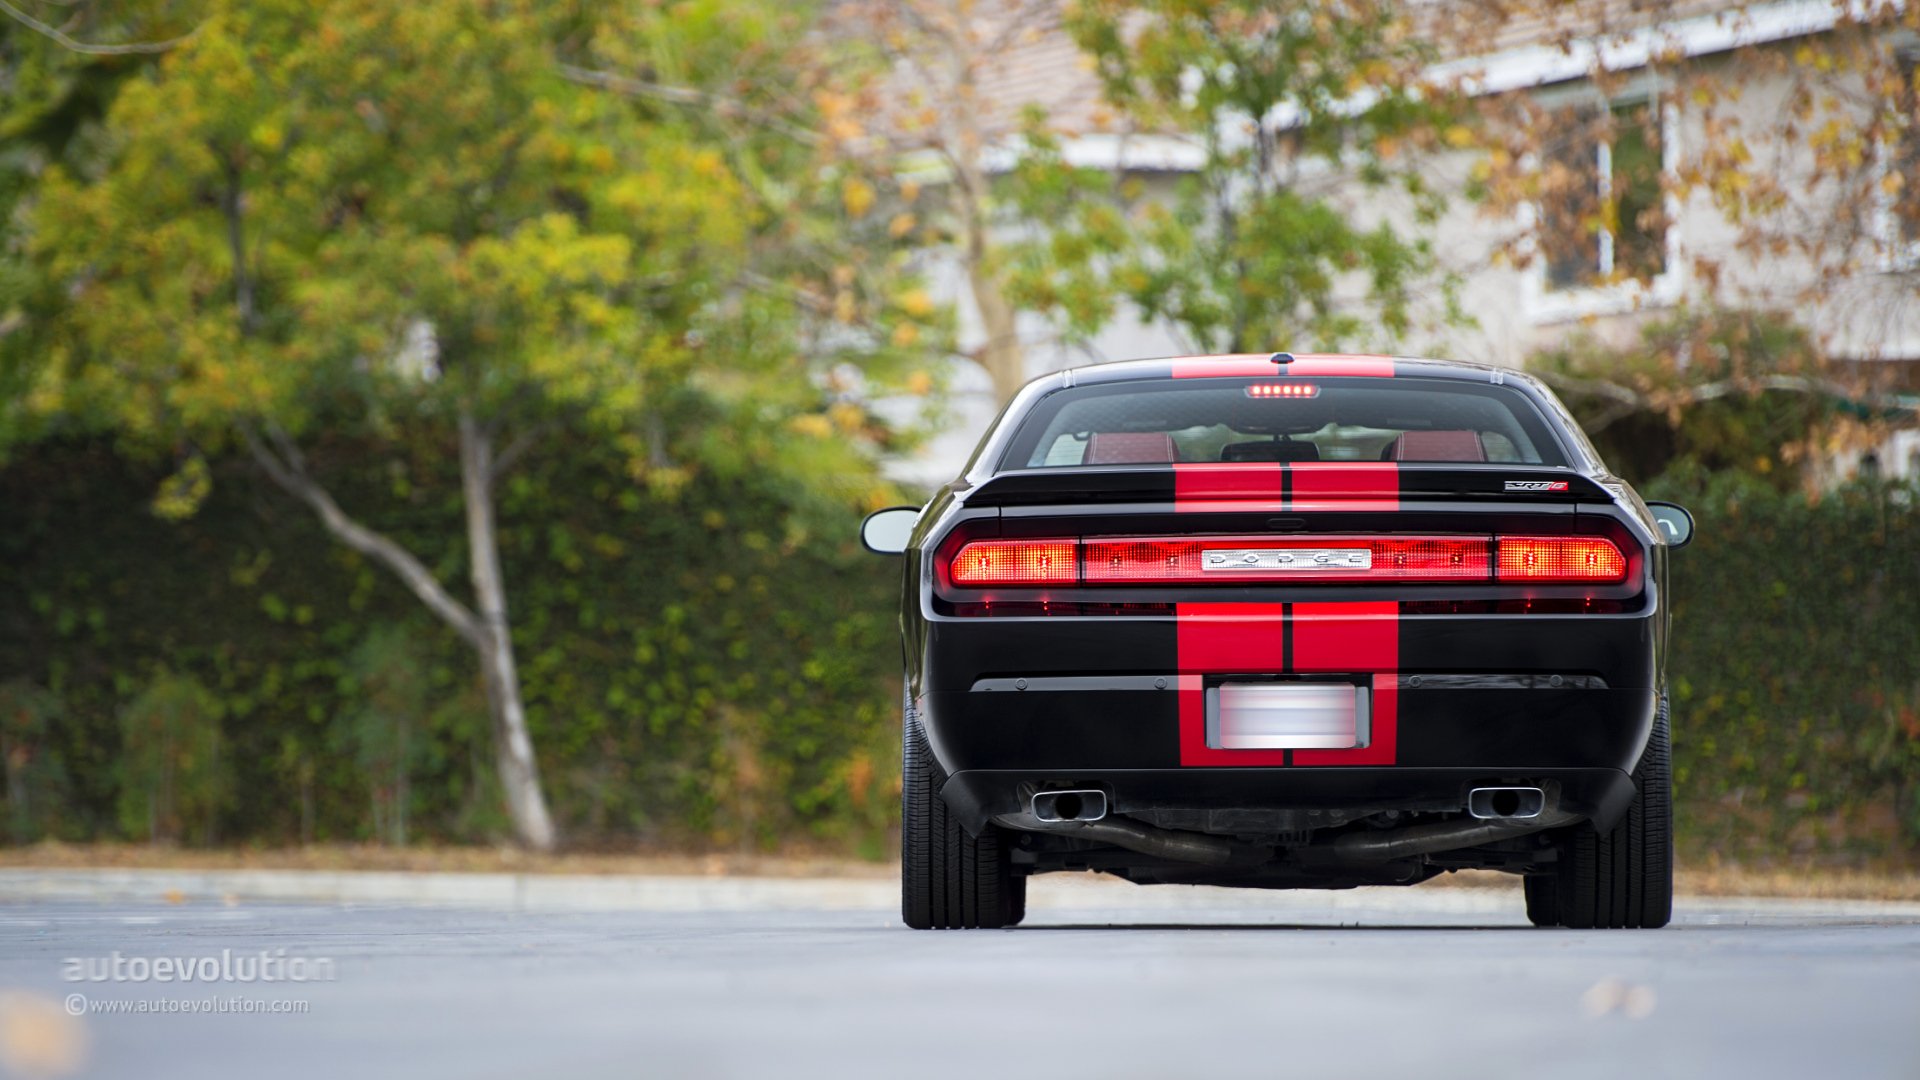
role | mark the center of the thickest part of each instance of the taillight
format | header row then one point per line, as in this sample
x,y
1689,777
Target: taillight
x,y
1234,560
1016,562
1315,558
1560,558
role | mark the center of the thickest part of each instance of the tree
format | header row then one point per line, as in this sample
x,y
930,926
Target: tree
x,y
400,216
60,79
1295,109
1719,391
1796,167
928,112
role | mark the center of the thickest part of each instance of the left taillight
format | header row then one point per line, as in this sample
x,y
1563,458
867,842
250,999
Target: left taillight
x,y
1016,562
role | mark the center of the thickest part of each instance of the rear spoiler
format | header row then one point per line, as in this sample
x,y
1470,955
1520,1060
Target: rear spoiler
x,y
1157,483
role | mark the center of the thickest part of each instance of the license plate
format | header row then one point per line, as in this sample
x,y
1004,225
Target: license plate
x,y
1287,716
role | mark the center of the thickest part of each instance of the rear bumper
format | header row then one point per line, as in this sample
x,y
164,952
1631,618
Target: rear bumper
x,y
1459,701
975,795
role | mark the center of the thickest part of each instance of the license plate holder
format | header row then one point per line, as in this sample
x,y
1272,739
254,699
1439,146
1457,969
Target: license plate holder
x,y
1288,714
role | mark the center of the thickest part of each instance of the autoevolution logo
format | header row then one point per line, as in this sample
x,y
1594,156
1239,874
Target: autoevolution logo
x,y
1536,485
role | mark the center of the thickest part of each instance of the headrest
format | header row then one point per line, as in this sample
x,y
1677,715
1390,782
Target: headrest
x,y
1129,448
1436,446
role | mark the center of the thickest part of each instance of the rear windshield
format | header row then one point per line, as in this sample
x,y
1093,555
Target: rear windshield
x,y
1284,420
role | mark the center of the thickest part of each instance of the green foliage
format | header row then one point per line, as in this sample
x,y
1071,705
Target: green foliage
x,y
1645,410
54,101
36,781
413,208
388,675
1796,668
1249,252
314,218
719,665
175,776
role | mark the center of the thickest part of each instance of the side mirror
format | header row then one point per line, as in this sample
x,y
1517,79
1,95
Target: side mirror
x,y
1674,521
886,532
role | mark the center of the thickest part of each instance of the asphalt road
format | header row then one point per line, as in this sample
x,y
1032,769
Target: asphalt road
x,y
1411,982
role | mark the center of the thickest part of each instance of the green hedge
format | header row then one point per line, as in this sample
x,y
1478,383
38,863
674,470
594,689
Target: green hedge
x,y
1796,670
721,668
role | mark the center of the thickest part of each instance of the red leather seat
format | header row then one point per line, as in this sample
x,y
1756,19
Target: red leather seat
x,y
1129,448
1436,446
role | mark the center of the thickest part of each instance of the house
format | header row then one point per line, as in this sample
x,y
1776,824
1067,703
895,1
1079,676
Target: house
x,y
1637,101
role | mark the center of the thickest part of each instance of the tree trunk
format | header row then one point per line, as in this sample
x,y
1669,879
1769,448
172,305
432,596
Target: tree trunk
x,y
485,630
1002,356
970,192
513,748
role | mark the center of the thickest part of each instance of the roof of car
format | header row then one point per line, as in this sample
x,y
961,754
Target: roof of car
x,y
1255,365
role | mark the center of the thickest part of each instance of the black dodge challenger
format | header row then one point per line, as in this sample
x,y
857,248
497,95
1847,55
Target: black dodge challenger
x,y
1283,621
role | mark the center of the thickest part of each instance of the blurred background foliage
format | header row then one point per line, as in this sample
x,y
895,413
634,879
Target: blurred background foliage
x,y
698,321
1796,669
1733,390
1796,664
714,667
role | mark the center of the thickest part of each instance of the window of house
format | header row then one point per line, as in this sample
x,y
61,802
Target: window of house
x,y
1602,212
1905,160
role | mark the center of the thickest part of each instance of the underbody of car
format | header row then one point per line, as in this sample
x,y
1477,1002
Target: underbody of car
x,y
1285,622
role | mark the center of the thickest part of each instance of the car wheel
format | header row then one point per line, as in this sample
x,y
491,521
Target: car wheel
x,y
948,879
1543,901
1622,878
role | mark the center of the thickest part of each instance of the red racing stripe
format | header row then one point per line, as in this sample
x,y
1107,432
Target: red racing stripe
x,y
1245,366
1224,639
1202,486
1344,485
1251,639
1359,639
1379,367
1260,365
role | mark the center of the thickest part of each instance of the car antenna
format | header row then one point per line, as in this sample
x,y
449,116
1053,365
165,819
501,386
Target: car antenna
x,y
1282,358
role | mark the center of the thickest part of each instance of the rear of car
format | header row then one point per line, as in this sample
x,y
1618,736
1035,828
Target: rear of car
x,y
1286,622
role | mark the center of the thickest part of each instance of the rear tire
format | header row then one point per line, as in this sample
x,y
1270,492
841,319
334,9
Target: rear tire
x,y
1622,878
1543,901
948,879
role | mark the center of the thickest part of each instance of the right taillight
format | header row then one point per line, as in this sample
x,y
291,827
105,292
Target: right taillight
x,y
1017,562
1559,558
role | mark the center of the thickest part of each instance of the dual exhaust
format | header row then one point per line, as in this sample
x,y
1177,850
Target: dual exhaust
x,y
1485,803
1494,813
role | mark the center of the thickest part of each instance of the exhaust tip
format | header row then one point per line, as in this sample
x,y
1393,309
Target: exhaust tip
x,y
1506,803
1076,804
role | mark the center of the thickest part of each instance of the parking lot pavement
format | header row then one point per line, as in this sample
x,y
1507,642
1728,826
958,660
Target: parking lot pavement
x,y
1103,981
